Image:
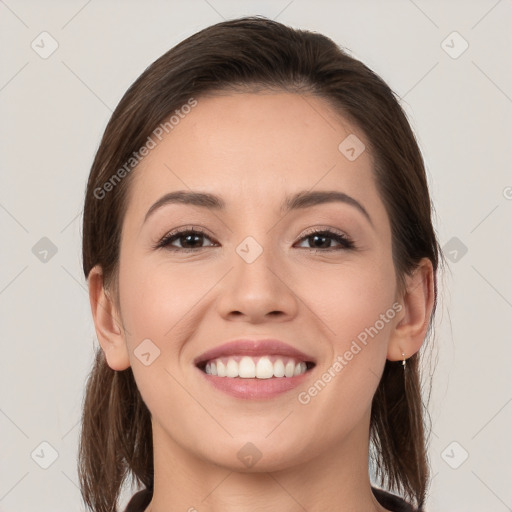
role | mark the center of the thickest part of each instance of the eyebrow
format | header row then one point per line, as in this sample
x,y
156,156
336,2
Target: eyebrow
x,y
297,201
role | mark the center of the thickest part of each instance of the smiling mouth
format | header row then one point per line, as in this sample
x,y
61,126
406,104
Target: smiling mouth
x,y
255,367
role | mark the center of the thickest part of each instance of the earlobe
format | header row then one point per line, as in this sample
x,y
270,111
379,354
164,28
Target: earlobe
x,y
418,301
107,322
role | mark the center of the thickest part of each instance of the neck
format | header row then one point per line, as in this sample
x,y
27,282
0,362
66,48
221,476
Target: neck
x,y
336,480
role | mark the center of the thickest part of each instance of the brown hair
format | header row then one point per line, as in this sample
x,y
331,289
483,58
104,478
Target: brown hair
x,y
116,436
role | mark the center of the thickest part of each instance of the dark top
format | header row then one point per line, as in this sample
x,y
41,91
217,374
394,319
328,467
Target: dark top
x,y
141,500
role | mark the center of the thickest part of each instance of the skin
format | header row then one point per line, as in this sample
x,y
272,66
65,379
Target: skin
x,y
253,149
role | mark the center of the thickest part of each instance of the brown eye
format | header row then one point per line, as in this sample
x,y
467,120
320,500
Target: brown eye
x,y
321,240
189,239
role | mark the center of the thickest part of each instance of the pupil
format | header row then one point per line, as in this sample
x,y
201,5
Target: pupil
x,y
191,236
316,237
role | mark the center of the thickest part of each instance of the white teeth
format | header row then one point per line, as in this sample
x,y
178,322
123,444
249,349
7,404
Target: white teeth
x,y
232,368
290,368
248,368
300,368
264,368
279,368
221,369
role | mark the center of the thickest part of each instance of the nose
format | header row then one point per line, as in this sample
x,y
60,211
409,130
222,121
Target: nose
x,y
257,291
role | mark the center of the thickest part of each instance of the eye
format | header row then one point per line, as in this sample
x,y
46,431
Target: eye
x,y
321,238
190,239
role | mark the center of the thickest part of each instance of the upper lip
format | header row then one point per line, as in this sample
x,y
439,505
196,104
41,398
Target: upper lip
x,y
253,348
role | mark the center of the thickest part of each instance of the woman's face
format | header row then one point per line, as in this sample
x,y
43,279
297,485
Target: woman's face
x,y
258,273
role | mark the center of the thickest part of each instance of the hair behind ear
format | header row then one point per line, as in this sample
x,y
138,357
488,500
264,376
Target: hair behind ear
x,y
397,430
116,436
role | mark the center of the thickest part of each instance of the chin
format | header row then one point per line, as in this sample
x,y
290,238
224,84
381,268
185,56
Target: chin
x,y
255,455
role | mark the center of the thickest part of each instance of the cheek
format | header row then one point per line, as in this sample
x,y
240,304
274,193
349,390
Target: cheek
x,y
162,305
359,310
350,298
157,299
355,305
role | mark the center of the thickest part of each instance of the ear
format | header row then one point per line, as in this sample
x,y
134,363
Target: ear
x,y
412,322
107,322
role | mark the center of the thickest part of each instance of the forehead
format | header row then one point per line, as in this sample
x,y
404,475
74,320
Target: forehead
x,y
254,148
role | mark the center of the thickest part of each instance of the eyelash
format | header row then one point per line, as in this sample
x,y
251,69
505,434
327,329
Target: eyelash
x,y
345,242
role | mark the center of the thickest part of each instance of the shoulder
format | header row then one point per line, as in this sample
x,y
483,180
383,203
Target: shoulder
x,y
139,501
392,502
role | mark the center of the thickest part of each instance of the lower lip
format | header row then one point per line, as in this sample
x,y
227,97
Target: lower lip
x,y
255,389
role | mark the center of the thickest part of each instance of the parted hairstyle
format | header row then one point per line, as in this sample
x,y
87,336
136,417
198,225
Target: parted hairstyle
x,y
254,53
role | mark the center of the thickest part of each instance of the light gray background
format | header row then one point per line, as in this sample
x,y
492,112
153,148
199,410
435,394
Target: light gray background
x,y
53,112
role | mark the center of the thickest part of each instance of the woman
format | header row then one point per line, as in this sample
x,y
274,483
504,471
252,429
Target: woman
x,y
261,263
